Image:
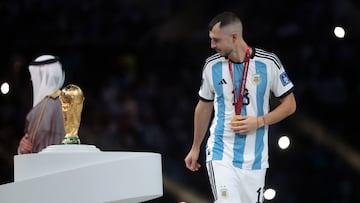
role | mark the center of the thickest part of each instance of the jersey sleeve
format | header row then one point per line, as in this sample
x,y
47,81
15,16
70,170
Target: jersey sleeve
x,y
282,84
206,92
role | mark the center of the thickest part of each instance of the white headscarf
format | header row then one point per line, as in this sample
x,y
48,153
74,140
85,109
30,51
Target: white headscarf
x,y
47,76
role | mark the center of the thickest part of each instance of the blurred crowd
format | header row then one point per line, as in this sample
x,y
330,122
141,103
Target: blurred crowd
x,y
139,65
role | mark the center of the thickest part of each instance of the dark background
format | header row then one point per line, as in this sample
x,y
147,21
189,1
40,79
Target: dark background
x,y
139,63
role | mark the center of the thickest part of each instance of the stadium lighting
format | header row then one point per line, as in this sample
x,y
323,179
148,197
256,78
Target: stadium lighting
x,y
339,32
269,194
284,142
5,88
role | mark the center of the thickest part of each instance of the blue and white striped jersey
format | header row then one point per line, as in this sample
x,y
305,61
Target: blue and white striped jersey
x,y
266,74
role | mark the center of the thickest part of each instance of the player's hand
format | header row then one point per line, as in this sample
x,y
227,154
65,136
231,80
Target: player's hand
x,y
243,124
25,145
191,160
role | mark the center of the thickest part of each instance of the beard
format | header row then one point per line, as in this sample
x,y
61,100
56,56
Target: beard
x,y
223,53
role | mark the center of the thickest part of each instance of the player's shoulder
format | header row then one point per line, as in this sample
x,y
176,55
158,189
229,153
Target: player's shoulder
x,y
260,52
267,56
213,59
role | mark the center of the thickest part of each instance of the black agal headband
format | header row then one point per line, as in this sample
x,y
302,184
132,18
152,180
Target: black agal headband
x,y
47,61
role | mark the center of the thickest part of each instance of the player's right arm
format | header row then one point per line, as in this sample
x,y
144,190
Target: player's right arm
x,y
202,116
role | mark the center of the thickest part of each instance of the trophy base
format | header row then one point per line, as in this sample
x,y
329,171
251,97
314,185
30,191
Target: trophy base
x,y
63,148
71,140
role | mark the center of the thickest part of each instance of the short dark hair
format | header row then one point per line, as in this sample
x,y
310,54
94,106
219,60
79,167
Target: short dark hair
x,y
225,18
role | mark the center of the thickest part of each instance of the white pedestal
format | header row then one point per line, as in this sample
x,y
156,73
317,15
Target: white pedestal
x,y
83,173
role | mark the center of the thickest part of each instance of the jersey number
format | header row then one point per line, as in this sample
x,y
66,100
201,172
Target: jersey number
x,y
246,99
259,197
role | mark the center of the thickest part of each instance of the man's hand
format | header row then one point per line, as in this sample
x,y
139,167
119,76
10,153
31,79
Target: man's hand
x,y
244,124
191,160
25,145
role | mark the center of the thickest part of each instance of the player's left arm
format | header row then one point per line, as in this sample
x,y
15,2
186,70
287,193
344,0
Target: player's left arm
x,y
286,108
246,124
282,88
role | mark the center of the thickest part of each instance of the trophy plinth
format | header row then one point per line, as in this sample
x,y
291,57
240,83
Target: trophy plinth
x,y
72,99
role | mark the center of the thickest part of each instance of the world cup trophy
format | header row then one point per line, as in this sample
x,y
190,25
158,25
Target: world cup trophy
x,y
72,99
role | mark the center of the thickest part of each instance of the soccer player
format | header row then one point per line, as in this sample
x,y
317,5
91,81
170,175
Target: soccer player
x,y
237,83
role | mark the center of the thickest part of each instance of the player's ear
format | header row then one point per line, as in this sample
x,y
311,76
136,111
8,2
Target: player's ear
x,y
234,36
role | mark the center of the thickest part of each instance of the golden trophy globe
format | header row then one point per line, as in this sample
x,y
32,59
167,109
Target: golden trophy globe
x,y
72,99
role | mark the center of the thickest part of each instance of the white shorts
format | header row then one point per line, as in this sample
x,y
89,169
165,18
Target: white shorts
x,y
234,185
